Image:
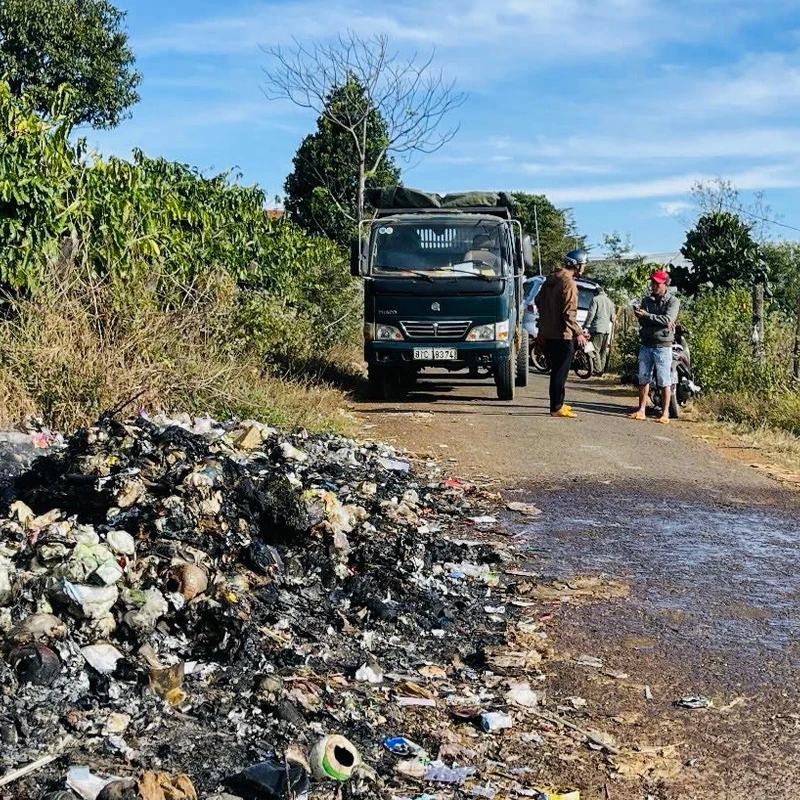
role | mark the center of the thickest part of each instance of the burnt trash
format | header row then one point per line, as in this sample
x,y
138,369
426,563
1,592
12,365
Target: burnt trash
x,y
181,596
35,663
276,779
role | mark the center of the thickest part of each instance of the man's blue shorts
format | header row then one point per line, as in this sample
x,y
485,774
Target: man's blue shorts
x,y
658,359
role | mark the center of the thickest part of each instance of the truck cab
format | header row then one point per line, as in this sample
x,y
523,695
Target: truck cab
x,y
443,288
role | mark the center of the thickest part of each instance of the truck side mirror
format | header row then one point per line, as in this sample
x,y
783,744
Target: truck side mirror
x,y
357,257
527,253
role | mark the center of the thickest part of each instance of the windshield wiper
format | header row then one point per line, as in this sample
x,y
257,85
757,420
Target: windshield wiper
x,y
415,272
469,272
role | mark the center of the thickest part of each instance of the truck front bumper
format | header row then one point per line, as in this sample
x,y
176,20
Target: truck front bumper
x,y
402,354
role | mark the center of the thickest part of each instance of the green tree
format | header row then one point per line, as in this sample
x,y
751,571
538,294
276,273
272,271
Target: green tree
x,y
45,44
783,265
558,232
322,191
723,253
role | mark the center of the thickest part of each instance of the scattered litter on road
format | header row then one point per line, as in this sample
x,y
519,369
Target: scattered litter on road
x,y
693,701
589,661
526,509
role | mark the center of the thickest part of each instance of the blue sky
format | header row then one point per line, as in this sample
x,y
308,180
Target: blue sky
x,y
611,107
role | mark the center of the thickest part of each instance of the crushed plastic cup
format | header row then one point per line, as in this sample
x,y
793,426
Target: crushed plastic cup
x,y
492,721
437,772
400,746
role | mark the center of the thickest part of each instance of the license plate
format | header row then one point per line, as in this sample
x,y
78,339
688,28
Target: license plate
x,y
435,354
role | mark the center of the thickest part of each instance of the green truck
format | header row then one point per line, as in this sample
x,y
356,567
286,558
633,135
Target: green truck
x,y
443,288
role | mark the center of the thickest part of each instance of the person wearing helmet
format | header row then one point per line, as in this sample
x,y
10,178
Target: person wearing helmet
x,y
557,302
657,314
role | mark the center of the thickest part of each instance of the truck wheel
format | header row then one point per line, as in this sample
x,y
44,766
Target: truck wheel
x,y
381,385
504,376
522,360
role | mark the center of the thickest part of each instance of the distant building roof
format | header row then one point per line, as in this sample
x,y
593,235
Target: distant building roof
x,y
663,259
275,213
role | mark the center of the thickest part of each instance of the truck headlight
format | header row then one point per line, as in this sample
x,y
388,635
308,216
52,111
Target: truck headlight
x,y
481,333
387,333
496,331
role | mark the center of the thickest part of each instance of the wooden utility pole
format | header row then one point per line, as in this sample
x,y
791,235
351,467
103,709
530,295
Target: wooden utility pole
x,y
758,322
796,350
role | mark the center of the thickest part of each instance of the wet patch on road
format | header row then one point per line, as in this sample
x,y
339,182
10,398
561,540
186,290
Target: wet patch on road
x,y
713,610
721,571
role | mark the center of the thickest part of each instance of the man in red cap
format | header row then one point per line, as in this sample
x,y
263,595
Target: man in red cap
x,y
657,314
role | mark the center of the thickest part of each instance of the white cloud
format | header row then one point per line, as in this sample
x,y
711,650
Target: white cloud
x,y
522,31
774,177
673,208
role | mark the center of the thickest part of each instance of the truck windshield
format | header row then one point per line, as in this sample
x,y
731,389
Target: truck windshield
x,y
441,248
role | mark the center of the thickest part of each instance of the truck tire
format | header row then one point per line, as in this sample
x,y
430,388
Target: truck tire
x,y
381,385
504,376
522,360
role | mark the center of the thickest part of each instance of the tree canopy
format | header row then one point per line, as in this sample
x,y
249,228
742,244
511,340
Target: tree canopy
x,y
322,191
783,264
557,229
45,44
722,251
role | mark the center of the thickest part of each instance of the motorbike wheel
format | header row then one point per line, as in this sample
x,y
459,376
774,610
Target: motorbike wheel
x,y
655,401
674,407
538,359
582,365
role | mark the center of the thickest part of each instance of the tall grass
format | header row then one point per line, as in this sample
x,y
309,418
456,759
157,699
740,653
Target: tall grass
x,y
70,350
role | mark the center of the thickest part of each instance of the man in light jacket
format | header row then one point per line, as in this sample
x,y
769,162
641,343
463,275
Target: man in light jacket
x,y
599,323
557,302
657,315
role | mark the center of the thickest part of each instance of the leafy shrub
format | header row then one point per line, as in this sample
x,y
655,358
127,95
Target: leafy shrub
x,y
721,329
146,275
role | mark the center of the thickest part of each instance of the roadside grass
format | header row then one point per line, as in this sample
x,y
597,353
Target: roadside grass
x,y
78,347
780,412
770,430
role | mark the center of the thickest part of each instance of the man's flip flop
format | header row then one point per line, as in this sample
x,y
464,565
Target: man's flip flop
x,y
663,420
637,415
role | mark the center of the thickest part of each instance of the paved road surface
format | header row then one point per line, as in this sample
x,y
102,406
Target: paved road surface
x,y
708,545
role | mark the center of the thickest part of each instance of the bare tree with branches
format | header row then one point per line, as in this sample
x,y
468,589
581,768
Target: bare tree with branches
x,y
412,97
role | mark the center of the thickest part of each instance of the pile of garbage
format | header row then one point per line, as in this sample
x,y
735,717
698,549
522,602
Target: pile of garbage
x,y
200,609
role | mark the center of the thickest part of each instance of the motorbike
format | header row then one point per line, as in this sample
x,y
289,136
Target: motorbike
x,y
581,361
683,386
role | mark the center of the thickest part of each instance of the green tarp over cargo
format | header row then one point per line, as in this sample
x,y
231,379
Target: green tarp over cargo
x,y
467,199
388,197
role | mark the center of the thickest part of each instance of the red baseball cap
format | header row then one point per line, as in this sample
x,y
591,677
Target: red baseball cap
x,y
660,276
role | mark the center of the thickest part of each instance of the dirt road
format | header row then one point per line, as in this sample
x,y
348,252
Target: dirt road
x,y
708,546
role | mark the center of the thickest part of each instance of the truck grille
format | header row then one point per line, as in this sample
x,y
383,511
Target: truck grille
x,y
453,330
